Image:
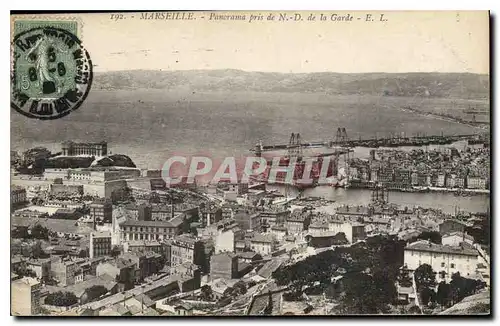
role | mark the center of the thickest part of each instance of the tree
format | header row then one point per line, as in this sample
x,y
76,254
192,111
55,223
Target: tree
x,y
432,236
443,294
23,271
414,310
361,295
425,277
115,251
40,232
19,233
269,308
206,293
95,292
34,250
427,295
462,287
404,277
61,299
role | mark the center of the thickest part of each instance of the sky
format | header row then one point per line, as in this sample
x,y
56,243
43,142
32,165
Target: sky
x,y
405,42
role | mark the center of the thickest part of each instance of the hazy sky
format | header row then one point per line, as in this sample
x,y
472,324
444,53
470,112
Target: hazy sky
x,y
406,42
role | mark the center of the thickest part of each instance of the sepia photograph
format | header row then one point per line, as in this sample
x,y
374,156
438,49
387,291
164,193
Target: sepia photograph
x,y
250,163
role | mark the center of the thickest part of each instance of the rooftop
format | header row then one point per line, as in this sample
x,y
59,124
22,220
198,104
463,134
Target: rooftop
x,y
165,224
459,234
267,270
326,234
463,249
101,234
120,297
79,288
26,281
264,238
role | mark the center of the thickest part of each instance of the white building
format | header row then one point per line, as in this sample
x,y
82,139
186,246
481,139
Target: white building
x,y
279,232
456,238
262,244
440,180
17,195
224,241
442,258
476,183
25,297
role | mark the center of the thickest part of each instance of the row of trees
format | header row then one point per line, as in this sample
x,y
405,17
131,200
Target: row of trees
x,y
447,294
432,236
61,299
371,267
66,299
37,232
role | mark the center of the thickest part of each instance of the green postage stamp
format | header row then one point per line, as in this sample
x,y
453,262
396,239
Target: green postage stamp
x,y
51,71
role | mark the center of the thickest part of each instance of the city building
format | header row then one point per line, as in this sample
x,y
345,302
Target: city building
x,y
354,231
297,222
63,271
143,246
354,212
225,240
476,182
450,226
151,230
100,244
441,180
414,178
445,260
248,257
17,196
224,265
456,238
187,248
230,191
146,263
70,148
262,244
101,210
318,227
41,267
144,212
248,221
450,181
210,214
322,239
25,294
461,182
274,217
191,275
124,271
279,232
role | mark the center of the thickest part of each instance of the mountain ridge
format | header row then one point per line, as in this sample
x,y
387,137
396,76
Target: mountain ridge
x,y
427,84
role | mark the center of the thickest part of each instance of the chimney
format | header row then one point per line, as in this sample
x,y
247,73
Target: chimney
x,y
172,207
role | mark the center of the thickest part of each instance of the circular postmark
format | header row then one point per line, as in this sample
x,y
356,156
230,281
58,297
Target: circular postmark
x,y
51,73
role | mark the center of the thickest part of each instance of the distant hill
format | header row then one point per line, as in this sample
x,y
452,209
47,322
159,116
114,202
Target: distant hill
x,y
443,85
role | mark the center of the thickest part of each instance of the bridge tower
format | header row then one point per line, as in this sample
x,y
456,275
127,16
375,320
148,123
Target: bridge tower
x,y
258,149
341,135
342,140
380,195
295,145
